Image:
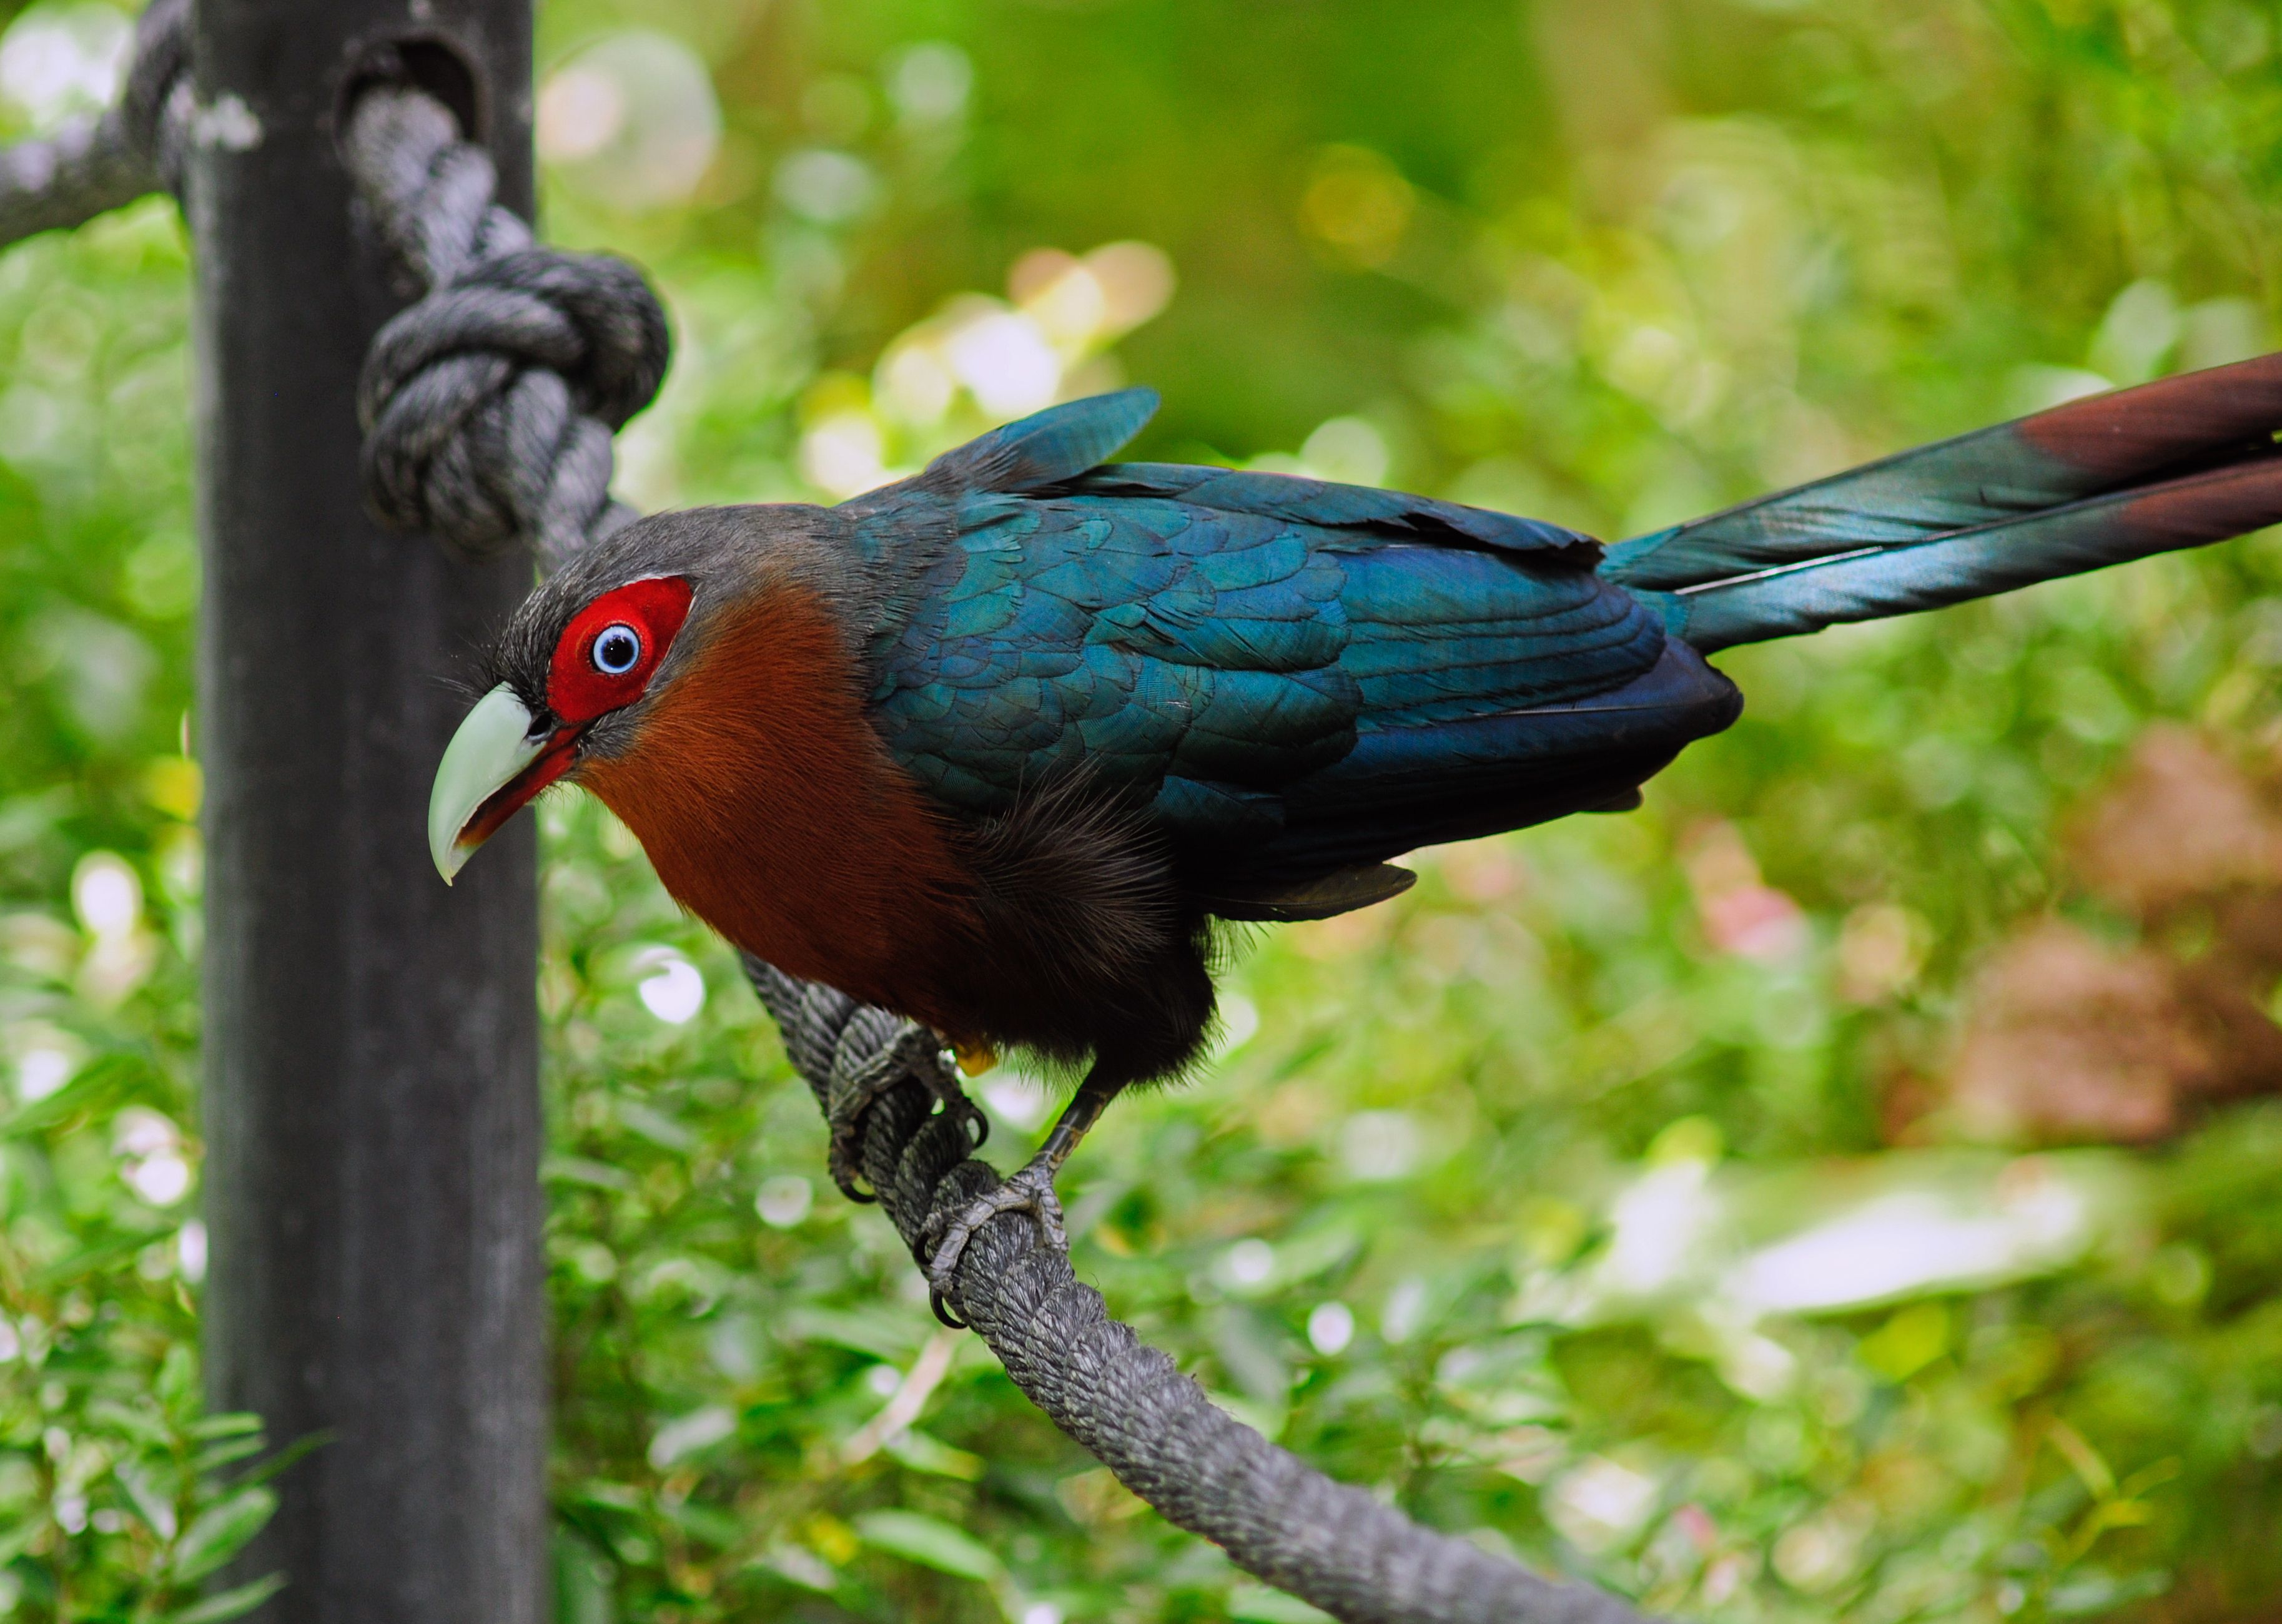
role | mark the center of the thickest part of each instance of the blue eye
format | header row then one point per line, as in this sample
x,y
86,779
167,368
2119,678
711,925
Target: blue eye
x,y
618,650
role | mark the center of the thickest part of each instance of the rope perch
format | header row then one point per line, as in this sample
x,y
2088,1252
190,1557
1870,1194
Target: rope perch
x,y
1126,1402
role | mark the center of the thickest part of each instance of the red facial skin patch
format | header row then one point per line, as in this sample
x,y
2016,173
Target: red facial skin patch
x,y
577,690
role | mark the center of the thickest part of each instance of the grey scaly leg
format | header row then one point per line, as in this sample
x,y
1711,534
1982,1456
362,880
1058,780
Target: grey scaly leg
x,y
1031,1189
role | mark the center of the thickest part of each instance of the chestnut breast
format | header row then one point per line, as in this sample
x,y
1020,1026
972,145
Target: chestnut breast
x,y
772,811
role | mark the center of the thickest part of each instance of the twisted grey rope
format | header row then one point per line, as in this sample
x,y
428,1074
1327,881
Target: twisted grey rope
x,y
97,164
1127,1402
488,407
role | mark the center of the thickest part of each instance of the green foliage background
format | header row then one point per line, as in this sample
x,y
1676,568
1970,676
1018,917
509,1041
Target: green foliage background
x,y
1609,261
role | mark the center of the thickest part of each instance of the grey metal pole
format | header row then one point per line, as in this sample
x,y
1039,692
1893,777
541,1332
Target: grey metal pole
x,y
371,1037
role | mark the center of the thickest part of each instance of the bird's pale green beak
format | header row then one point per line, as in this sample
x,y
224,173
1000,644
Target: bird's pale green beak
x,y
498,760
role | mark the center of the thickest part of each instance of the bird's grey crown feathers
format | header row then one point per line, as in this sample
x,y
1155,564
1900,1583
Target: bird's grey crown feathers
x,y
723,553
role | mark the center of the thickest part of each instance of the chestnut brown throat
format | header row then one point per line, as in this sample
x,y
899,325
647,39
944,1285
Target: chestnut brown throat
x,y
771,810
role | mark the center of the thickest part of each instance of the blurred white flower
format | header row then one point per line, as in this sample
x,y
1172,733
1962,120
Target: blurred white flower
x,y
1915,1241
1136,281
107,897
1006,363
1062,294
1009,358
1082,303
631,121
915,383
1248,1262
1600,1502
1757,1366
161,1180
784,1201
1239,1021
140,1132
1348,451
2138,333
106,894
152,1161
1021,1099
1375,1146
44,1067
929,82
581,110
2036,389
674,989
1331,1328
826,186
58,61
2220,330
843,454
1820,1552
1661,1221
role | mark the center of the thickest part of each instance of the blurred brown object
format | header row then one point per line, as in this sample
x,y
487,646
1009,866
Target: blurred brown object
x,y
2180,824
2072,1038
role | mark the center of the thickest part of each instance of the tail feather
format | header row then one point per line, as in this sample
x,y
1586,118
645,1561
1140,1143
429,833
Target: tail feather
x,y
1873,583
2176,463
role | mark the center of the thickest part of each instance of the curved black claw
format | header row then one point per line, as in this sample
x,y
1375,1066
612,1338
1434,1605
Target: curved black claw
x,y
915,1051
1029,1190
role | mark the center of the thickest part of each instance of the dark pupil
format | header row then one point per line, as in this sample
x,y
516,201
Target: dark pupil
x,y
617,650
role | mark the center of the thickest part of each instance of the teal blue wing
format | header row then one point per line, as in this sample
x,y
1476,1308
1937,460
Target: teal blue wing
x,y
1384,515
1045,448
1293,674
1158,649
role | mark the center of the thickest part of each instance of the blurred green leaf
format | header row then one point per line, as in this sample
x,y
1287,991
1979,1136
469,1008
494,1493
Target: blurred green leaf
x,y
221,1531
930,1542
1258,1604
231,1603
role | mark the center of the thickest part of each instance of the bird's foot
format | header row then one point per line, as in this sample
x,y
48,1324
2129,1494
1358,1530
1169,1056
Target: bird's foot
x,y
915,1051
1031,1189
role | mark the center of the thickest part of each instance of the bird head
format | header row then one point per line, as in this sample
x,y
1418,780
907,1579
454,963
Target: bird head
x,y
588,656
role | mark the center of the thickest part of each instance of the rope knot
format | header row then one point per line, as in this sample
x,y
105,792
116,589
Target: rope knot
x,y
488,407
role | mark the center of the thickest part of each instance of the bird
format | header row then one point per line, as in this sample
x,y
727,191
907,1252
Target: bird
x,y
1009,746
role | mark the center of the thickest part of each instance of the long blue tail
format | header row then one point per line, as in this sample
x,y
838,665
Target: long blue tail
x,y
2178,463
